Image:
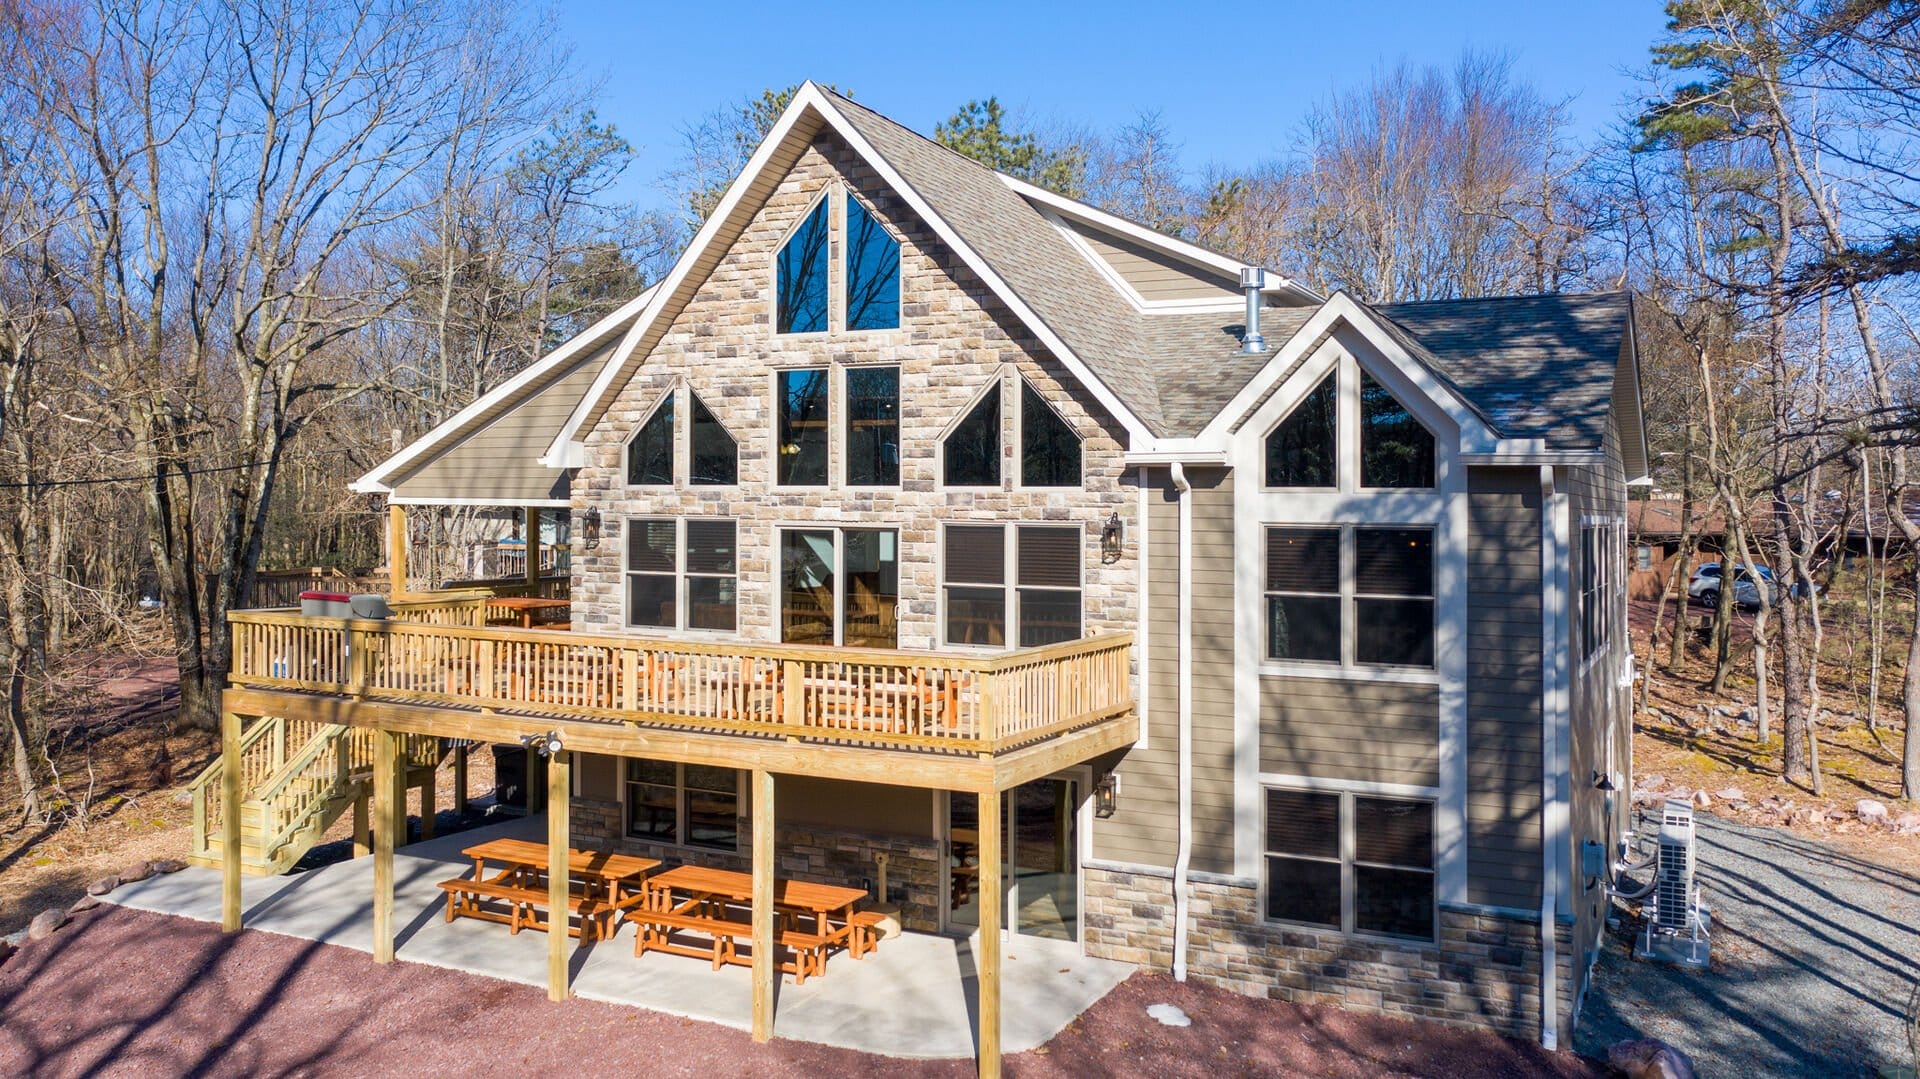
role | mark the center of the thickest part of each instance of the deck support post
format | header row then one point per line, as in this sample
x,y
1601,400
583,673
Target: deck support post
x,y
460,778
987,963
362,829
229,822
532,548
430,797
766,966
559,844
396,549
389,816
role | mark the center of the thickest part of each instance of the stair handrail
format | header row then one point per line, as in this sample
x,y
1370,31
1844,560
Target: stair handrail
x,y
277,824
197,787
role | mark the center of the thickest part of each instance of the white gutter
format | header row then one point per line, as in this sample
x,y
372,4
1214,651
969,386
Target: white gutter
x,y
1554,624
1183,853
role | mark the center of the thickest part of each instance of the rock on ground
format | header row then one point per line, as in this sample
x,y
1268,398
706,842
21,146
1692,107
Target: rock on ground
x,y
1870,811
169,865
84,904
1649,1058
45,922
136,871
103,885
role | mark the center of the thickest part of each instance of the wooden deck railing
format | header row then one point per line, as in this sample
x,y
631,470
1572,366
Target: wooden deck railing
x,y
920,700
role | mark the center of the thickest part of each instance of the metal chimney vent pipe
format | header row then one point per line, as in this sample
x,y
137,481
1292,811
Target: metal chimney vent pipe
x,y
1253,280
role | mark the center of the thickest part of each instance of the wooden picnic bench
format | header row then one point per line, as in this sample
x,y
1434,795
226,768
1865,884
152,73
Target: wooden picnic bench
x,y
465,899
805,952
608,884
716,905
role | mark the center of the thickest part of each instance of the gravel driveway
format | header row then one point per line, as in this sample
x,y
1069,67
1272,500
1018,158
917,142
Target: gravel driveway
x,y
1815,952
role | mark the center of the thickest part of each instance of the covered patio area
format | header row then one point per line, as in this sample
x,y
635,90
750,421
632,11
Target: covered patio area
x,y
916,995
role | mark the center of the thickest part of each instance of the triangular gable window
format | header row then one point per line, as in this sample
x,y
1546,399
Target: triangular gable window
x,y
970,456
650,454
1301,452
1396,450
1049,449
716,456
873,271
801,272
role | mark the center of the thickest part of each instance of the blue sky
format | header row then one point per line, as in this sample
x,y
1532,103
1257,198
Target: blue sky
x,y
1232,81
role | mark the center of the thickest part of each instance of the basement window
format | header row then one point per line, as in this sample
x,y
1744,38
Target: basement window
x,y
1350,862
688,805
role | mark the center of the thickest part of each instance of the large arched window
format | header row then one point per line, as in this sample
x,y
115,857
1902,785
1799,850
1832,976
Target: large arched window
x,y
800,287
873,271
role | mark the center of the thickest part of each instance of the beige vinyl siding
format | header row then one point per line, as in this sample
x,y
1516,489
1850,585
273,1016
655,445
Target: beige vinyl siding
x,y
1156,275
1144,829
1503,687
1350,729
499,462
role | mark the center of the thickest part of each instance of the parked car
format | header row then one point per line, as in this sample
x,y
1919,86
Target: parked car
x,y
1748,582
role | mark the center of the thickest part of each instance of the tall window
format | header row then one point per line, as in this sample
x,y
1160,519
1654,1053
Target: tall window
x,y
873,426
1301,451
1395,449
1602,556
873,271
650,454
691,805
1350,862
1049,449
1039,599
840,587
970,456
1353,595
682,573
716,457
803,428
800,272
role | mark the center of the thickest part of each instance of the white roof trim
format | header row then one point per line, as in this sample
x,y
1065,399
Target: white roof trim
x,y
1133,230
1475,436
375,482
543,503
812,97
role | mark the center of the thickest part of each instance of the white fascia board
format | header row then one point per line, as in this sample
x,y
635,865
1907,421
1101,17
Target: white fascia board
x,y
1176,451
375,482
812,97
1475,437
1153,238
1531,451
543,503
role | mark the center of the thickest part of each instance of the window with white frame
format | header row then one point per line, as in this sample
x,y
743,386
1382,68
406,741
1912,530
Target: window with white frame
x,y
1390,448
688,805
1602,557
1354,863
1017,584
712,454
681,573
1350,595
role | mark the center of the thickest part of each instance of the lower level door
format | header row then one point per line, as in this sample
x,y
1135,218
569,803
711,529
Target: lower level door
x,y
1039,867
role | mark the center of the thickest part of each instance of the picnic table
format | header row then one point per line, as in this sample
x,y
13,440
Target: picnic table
x,y
707,903
608,884
525,607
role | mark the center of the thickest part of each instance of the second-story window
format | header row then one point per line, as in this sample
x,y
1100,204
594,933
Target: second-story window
x,y
800,276
1049,448
650,454
873,271
715,455
1039,601
681,573
970,455
803,428
873,426
1353,596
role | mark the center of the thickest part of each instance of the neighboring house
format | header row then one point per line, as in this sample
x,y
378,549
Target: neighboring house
x,y
1351,672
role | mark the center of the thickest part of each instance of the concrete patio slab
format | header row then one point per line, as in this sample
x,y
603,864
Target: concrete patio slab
x,y
914,997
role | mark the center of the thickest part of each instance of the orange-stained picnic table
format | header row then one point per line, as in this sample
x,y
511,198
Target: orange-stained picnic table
x,y
703,886
524,607
620,879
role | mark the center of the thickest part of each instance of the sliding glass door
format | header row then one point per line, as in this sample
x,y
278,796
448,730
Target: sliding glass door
x,y
1039,843
839,587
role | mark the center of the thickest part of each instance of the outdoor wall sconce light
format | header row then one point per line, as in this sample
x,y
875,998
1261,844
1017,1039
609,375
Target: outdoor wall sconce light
x,y
1603,782
544,744
1113,535
590,527
1106,796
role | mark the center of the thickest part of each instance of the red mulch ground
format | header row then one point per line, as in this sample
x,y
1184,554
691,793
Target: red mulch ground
x,y
127,993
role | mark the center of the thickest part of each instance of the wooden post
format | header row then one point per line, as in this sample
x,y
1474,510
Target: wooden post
x,y
987,966
460,779
229,822
430,797
559,840
387,777
765,967
362,831
533,550
396,549
536,791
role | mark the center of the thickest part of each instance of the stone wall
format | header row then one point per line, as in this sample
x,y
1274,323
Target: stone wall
x,y
954,341
802,852
1484,971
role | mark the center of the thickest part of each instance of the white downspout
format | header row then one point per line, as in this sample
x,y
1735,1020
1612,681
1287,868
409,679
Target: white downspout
x,y
1555,660
1183,852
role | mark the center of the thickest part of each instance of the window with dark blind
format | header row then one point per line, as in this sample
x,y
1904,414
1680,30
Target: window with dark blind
x,y
873,426
873,271
682,573
974,579
1303,594
716,456
1049,448
1393,596
803,427
1049,584
690,805
1396,450
970,456
1303,449
1023,577
800,277
1351,862
650,454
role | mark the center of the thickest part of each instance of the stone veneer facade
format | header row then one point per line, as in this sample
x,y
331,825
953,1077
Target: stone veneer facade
x,y
801,852
1484,971
955,339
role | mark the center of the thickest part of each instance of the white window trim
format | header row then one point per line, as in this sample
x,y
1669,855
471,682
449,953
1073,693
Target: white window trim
x,y
1017,481
1348,665
1607,552
773,271
844,434
1010,586
679,842
839,575
668,400
681,607
1347,373
1347,792
999,380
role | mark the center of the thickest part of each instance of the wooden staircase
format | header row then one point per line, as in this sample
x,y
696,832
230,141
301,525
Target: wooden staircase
x,y
296,778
